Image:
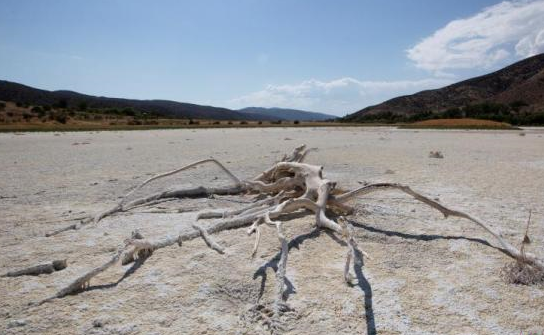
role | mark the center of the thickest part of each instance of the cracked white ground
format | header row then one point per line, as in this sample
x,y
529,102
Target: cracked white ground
x,y
426,275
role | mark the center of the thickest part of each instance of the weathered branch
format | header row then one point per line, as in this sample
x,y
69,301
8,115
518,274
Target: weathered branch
x,y
510,249
209,241
37,270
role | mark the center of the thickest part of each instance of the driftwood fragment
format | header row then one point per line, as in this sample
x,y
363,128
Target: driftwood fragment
x,y
40,269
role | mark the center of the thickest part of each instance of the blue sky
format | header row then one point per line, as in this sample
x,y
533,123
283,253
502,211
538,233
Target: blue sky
x,y
321,55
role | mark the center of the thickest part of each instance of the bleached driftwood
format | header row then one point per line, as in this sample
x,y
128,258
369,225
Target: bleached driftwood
x,y
288,186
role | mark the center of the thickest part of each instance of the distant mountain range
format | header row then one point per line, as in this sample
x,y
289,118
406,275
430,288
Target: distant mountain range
x,y
520,84
286,114
10,91
513,94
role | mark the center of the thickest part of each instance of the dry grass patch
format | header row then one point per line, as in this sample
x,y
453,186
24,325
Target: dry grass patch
x,y
460,123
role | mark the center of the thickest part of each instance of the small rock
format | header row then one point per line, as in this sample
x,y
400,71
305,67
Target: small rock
x,y
98,323
16,323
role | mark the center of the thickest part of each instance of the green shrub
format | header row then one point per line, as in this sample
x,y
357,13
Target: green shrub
x,y
60,117
61,103
112,111
128,111
82,106
37,110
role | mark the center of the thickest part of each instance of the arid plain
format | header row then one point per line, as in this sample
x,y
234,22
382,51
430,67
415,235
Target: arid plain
x,y
425,274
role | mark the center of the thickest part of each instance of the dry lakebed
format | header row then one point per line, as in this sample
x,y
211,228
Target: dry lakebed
x,y
425,274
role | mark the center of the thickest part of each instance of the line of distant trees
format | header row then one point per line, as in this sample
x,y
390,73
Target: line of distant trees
x,y
512,113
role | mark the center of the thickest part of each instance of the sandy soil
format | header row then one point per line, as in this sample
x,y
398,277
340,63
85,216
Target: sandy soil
x,y
427,275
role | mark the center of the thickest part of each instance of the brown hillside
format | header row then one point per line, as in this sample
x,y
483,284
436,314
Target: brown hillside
x,y
523,81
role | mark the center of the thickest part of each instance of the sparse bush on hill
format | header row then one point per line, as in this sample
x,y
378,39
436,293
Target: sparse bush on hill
x,y
112,111
296,122
128,111
516,105
61,117
243,122
38,110
61,103
511,113
82,106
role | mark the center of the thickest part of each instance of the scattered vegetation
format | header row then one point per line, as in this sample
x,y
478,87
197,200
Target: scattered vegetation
x,y
60,117
459,123
512,113
519,272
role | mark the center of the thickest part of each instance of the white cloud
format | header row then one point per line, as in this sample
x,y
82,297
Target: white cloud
x,y
340,96
483,40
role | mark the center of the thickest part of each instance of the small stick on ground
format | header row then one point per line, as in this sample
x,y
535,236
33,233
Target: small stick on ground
x,y
37,270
